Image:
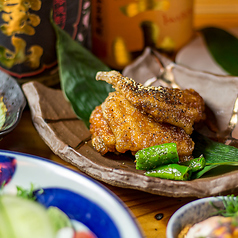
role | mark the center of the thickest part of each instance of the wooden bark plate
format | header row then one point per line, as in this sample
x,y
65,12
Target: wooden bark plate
x,y
68,137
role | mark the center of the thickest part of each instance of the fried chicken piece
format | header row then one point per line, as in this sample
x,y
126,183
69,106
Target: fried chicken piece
x,y
103,140
180,108
132,130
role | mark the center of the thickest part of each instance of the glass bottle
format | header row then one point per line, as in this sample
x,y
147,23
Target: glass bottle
x,y
28,40
121,29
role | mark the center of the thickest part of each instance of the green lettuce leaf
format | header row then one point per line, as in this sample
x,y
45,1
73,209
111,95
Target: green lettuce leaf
x,y
58,219
77,70
23,218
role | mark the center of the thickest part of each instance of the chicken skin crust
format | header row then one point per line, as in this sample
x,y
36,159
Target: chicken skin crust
x,y
103,140
181,108
117,125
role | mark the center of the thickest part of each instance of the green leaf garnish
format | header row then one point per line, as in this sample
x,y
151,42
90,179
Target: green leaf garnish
x,y
207,168
78,68
2,185
230,203
27,193
58,218
215,153
223,47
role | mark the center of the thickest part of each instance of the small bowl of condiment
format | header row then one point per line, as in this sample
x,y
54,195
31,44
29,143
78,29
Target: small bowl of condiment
x,y
206,217
12,103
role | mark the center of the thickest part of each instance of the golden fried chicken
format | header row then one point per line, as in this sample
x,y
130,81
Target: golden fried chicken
x,y
116,125
180,108
103,140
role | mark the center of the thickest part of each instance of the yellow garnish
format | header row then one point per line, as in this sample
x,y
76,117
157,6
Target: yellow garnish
x,y
3,111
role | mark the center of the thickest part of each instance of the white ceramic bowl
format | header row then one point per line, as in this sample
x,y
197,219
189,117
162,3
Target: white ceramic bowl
x,y
192,213
80,197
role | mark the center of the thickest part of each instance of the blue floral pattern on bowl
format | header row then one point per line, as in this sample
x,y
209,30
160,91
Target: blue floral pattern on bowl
x,y
7,168
81,209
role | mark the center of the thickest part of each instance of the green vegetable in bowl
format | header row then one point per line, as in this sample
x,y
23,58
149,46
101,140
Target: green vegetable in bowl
x,y
3,111
27,193
182,171
230,203
20,218
58,219
209,155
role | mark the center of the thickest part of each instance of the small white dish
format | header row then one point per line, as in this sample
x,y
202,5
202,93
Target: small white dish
x,y
80,197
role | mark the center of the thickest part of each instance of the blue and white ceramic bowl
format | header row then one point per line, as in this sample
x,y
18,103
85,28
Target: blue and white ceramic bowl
x,y
83,199
192,213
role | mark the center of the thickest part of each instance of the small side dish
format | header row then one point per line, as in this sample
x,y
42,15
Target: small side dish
x,y
14,103
24,217
214,227
86,203
214,217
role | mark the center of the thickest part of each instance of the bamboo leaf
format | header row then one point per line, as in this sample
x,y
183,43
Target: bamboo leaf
x,y
78,68
200,173
213,170
223,47
215,153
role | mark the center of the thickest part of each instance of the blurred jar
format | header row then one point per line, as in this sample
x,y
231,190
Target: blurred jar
x,y
27,38
121,29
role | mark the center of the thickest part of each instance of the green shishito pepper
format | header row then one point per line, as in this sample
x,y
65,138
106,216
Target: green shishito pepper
x,y
171,171
154,156
195,164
